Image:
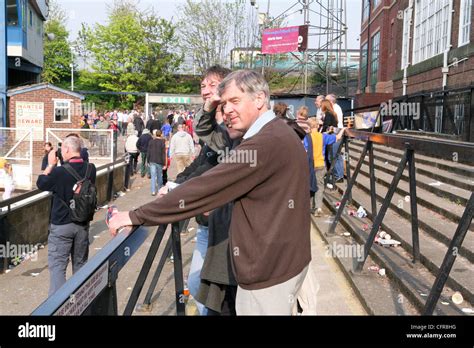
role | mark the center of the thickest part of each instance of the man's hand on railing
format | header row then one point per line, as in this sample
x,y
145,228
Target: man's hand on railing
x,y
340,134
120,219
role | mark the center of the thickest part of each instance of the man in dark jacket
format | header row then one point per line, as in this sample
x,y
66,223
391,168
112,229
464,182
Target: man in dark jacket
x,y
66,238
142,146
138,124
157,159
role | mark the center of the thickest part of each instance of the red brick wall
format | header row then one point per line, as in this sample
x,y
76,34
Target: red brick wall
x,y
45,96
383,19
391,29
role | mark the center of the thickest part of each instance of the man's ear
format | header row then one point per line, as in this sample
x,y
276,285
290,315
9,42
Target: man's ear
x,y
260,100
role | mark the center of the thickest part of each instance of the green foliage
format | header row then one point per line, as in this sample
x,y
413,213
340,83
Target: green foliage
x,y
57,53
131,53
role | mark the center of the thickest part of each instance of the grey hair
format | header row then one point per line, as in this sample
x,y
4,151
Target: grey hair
x,y
332,98
248,81
73,143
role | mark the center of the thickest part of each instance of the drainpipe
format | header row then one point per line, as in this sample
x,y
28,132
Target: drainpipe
x,y
405,76
445,68
3,63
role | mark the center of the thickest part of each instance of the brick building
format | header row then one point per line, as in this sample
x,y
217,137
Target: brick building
x,y
43,106
420,48
409,40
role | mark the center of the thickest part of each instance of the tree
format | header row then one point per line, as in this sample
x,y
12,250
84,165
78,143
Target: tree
x,y
132,52
211,28
57,53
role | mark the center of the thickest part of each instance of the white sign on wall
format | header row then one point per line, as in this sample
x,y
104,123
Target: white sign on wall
x,y
31,115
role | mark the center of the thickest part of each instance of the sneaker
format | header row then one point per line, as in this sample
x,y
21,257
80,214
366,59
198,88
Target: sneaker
x,y
153,193
340,180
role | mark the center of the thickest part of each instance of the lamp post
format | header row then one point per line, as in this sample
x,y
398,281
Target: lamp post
x,y
3,63
72,68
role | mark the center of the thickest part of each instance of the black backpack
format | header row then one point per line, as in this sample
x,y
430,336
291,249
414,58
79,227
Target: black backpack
x,y
84,201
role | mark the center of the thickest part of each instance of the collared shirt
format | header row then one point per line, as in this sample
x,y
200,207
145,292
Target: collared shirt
x,y
259,123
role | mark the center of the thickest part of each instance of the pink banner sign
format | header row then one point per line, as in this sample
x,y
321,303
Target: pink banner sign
x,y
284,40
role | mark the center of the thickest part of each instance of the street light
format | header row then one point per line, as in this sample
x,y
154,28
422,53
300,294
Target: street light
x,y
72,68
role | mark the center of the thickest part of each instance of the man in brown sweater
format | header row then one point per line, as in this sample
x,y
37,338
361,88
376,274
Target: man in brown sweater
x,y
267,178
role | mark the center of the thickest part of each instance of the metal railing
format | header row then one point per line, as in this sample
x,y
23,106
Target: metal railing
x,y
443,149
93,291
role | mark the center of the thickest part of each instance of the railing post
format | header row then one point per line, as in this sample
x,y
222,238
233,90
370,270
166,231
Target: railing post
x,y
347,192
450,257
110,183
156,276
348,164
373,196
383,210
413,206
178,269
155,245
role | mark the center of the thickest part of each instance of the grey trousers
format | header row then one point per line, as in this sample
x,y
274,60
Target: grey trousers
x,y
64,241
279,299
320,173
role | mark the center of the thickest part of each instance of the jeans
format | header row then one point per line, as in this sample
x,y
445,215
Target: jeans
x,y
64,241
156,171
339,166
199,254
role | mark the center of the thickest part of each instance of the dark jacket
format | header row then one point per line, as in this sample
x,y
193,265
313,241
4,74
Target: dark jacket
x,y
138,124
329,121
60,183
156,151
143,141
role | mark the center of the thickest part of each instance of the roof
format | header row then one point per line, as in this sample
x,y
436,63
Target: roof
x,y
38,86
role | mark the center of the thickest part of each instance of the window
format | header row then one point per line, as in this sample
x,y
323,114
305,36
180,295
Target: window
x,y
39,26
12,13
31,18
374,60
62,111
432,18
365,9
465,22
363,68
459,118
406,37
439,116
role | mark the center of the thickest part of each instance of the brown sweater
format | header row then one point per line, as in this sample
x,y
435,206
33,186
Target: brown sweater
x,y
270,228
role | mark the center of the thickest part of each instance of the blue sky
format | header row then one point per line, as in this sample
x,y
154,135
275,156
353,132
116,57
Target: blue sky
x,y
95,11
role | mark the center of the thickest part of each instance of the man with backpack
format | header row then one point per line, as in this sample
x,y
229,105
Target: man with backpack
x,y
74,204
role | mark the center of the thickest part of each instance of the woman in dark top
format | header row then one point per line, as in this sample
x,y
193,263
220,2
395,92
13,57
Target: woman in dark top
x,y
330,117
48,147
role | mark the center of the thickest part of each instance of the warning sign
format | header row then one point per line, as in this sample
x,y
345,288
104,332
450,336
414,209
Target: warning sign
x,y
83,297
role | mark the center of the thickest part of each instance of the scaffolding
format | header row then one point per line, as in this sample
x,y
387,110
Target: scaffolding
x,y
327,32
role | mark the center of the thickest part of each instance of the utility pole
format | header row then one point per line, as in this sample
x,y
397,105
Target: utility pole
x,y
3,63
267,16
72,69
306,22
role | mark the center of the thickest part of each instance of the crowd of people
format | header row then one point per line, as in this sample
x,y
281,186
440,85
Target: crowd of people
x,y
247,260
252,253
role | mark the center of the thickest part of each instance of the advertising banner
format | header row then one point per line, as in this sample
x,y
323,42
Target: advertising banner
x,y
284,40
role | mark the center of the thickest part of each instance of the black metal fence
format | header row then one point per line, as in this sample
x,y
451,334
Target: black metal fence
x,y
448,112
92,290
443,149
